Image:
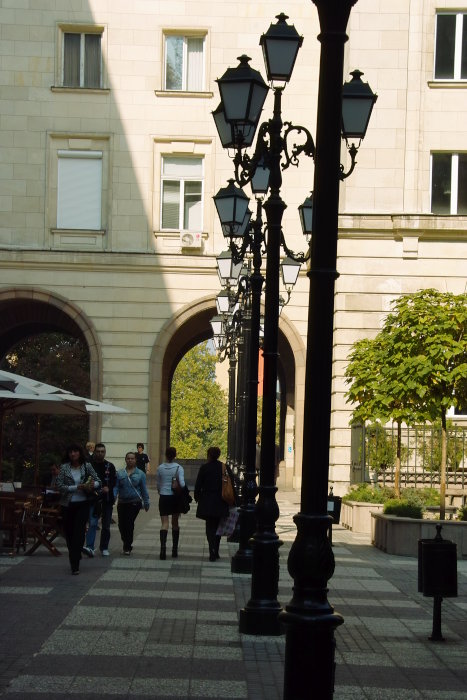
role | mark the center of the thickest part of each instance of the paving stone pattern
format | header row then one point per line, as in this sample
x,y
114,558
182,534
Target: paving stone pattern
x,y
137,627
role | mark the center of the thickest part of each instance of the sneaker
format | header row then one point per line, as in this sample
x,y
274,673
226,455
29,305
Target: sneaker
x,y
75,573
105,553
88,551
127,552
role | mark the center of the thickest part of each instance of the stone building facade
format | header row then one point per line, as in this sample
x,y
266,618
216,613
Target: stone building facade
x,y
110,159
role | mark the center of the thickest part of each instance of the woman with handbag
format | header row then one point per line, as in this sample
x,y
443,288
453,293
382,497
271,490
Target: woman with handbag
x,y
170,482
76,482
213,478
132,496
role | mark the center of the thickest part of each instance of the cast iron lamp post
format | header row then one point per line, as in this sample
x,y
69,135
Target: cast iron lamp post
x,y
251,242
242,96
243,92
309,619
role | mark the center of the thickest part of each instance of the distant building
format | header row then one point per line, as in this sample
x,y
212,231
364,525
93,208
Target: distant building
x,y
110,159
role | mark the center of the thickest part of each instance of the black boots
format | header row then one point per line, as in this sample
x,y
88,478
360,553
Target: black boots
x,y
214,543
163,535
175,538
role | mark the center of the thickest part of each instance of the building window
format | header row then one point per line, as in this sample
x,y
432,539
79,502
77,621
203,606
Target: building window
x,y
451,46
79,190
182,193
449,183
184,63
81,52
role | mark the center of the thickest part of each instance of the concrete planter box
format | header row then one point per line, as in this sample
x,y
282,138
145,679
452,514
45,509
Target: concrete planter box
x,y
356,516
400,535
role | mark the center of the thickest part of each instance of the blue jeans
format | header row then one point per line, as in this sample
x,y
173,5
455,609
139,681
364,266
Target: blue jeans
x,y
105,526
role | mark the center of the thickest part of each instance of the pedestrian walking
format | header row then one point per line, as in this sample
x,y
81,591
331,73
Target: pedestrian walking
x,y
132,496
76,481
169,501
102,507
142,459
208,495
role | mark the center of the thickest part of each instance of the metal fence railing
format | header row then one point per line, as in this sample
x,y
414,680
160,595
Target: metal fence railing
x,y
374,449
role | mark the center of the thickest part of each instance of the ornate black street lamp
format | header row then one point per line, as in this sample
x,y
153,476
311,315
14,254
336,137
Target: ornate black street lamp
x,y
309,619
242,97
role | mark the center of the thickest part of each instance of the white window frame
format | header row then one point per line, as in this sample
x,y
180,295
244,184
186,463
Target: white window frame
x,y
182,179
86,186
88,145
454,181
457,46
82,52
81,29
186,35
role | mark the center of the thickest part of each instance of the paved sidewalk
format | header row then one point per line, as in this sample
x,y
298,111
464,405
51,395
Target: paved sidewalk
x,y
135,627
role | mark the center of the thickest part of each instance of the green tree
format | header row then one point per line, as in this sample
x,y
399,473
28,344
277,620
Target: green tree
x,y
429,331
420,362
372,389
54,358
198,410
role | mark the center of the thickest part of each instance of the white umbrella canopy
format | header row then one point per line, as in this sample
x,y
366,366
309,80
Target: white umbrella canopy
x,y
23,395
20,394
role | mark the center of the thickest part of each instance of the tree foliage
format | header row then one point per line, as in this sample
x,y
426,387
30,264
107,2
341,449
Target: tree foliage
x,y
53,358
198,411
416,367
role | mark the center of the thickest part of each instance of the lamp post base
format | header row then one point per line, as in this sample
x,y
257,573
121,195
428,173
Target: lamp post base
x,y
310,655
242,560
260,616
261,620
309,619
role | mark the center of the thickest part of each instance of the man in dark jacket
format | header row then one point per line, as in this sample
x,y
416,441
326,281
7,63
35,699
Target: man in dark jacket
x,y
108,476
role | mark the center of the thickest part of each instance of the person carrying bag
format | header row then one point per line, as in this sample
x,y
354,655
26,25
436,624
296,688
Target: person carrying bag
x,y
170,482
209,488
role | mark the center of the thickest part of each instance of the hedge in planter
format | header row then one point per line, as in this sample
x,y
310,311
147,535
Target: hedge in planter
x,y
403,509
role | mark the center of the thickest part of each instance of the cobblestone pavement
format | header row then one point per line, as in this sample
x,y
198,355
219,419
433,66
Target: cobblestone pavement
x,y
137,627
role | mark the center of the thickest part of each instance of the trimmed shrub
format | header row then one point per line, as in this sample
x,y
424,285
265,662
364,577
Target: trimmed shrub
x,y
462,513
403,509
364,493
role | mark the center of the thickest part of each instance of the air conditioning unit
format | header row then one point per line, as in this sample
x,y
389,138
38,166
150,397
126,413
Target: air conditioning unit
x,y
188,239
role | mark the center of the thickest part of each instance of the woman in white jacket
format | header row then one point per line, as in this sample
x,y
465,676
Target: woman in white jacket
x,y
169,504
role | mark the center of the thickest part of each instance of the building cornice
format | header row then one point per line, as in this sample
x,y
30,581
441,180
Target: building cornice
x,y
399,226
106,261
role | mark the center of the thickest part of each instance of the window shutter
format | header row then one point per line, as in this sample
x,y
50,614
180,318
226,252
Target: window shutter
x,y
92,61
195,64
79,196
171,204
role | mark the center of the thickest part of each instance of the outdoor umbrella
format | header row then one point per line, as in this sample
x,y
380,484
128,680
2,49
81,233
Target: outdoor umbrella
x,y
20,394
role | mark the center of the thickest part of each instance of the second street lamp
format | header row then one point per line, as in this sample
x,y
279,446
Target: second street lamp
x,y
260,615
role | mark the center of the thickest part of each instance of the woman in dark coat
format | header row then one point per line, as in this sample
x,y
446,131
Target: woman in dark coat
x,y
208,495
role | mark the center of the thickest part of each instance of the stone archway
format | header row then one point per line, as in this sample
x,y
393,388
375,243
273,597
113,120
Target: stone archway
x,y
190,326
30,310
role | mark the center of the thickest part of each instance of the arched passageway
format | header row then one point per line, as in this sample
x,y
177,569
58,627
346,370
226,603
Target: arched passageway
x,y
27,312
190,326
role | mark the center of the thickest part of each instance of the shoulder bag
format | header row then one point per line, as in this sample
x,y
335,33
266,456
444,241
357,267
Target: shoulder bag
x,y
176,486
227,489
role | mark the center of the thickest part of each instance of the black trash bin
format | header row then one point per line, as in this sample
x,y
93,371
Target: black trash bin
x,y
437,574
334,507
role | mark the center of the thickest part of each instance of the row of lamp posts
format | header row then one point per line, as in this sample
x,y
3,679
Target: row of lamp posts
x,y
343,112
